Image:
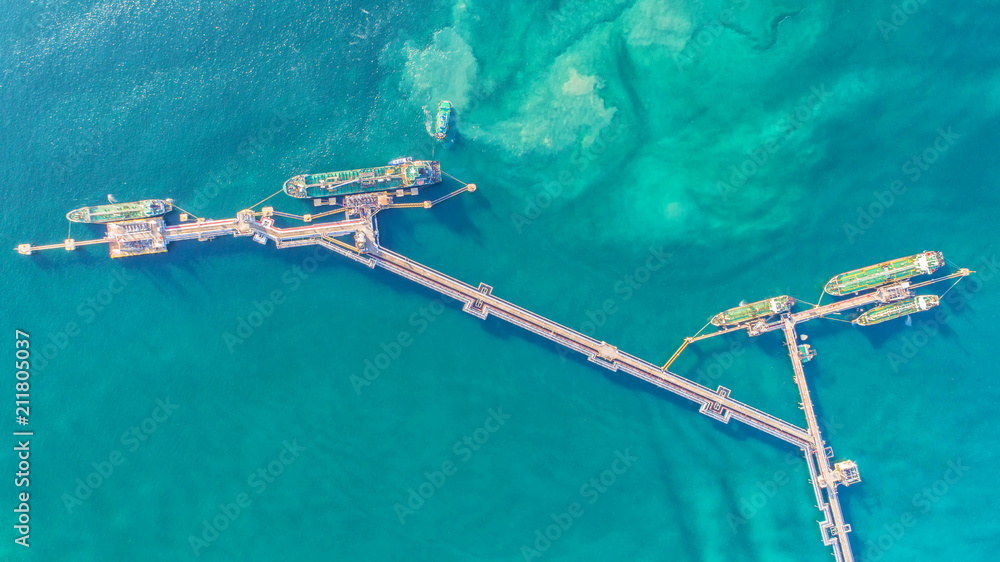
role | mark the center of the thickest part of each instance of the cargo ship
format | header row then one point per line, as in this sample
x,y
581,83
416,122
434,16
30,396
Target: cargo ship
x,y
402,173
886,272
442,120
753,311
121,211
895,310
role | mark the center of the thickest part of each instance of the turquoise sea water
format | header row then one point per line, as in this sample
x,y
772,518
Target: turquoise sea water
x,y
761,146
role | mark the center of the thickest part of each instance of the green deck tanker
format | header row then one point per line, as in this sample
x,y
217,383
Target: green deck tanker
x,y
753,311
404,173
886,272
895,310
117,212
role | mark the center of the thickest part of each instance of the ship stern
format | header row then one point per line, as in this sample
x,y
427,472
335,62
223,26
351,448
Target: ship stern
x,y
833,287
719,320
296,187
78,215
935,261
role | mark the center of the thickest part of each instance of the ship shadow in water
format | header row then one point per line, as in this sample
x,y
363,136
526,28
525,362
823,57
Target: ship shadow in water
x,y
887,335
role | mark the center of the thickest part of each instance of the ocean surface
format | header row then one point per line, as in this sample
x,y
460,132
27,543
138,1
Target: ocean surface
x,y
641,166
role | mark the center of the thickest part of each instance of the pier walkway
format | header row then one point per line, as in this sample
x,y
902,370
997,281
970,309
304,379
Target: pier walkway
x,y
883,295
246,224
480,302
833,528
357,239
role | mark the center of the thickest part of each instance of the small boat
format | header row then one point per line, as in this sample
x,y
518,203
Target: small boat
x,y
895,310
443,119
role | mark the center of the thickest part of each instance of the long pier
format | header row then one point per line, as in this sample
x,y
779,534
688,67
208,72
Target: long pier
x,y
834,530
145,236
717,404
480,302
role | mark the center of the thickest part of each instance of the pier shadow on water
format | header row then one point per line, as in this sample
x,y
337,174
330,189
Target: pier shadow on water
x,y
51,261
187,256
506,331
733,430
400,223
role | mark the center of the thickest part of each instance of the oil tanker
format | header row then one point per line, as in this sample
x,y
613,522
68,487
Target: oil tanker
x,y
895,310
121,211
403,173
883,273
753,311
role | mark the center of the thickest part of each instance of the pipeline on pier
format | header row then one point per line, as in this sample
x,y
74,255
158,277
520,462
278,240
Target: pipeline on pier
x,y
360,229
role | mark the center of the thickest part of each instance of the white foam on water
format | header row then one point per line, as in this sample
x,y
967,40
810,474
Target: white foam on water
x,y
654,23
444,70
561,110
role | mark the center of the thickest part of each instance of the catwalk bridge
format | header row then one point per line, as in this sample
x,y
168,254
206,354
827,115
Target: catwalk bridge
x,y
356,238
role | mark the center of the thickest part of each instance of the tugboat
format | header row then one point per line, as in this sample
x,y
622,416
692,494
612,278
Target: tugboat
x,y
121,211
443,119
